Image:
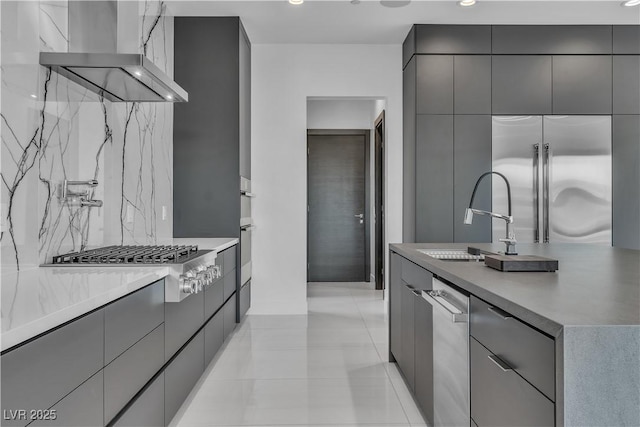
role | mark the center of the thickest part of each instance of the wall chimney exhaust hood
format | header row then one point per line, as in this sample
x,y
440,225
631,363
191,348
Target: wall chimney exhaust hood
x,y
93,60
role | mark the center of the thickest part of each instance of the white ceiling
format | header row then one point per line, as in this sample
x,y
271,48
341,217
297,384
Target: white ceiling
x,y
339,21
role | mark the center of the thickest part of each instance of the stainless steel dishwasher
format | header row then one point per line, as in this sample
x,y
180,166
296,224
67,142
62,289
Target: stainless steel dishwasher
x,y
450,354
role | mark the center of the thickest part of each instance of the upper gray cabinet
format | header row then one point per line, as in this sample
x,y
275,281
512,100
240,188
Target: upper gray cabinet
x,y
626,39
521,84
626,84
472,84
244,59
581,84
434,84
552,39
453,39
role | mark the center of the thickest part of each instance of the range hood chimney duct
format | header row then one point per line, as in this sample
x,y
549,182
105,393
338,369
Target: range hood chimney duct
x,y
104,55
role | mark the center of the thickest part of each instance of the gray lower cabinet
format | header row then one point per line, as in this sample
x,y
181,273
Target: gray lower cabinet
x,y
407,360
129,372
501,397
148,408
409,152
213,298
182,374
229,314
472,154
626,84
245,299
229,283
423,329
582,84
395,307
40,373
129,319
229,256
213,336
182,320
434,180
521,84
626,175
83,407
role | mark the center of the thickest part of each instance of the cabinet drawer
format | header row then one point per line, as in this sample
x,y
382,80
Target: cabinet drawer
x,y
229,256
129,372
245,299
229,314
148,409
83,407
183,372
503,398
131,318
213,337
213,298
229,283
40,373
529,352
416,276
182,320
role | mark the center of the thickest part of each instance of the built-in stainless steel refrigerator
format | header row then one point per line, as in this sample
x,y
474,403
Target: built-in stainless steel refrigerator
x,y
559,168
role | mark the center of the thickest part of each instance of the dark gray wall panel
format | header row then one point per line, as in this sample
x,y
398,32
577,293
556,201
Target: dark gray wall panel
x,y
462,39
626,84
409,46
434,178
245,103
472,158
148,409
129,372
626,176
626,39
206,132
182,320
129,319
552,39
41,372
182,374
213,337
83,407
434,84
472,84
521,84
409,153
582,84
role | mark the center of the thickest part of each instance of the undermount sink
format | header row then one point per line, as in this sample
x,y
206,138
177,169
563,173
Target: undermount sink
x,y
455,255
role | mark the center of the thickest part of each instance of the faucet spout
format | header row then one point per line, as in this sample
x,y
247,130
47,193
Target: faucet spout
x,y
510,237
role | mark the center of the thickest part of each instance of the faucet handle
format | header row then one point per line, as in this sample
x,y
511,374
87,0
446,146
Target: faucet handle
x,y
509,240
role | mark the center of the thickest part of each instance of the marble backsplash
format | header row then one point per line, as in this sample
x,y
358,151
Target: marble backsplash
x,y
53,129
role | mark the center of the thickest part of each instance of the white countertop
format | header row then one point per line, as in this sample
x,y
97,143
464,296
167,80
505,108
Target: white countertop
x,y
37,299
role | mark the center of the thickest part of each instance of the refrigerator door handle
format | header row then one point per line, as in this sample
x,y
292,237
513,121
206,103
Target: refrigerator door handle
x,y
536,193
545,192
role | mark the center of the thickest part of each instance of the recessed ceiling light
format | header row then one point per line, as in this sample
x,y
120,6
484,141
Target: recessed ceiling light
x,y
296,2
34,96
138,73
631,3
467,2
169,97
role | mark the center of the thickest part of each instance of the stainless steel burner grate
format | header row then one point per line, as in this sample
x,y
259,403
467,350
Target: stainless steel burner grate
x,y
129,255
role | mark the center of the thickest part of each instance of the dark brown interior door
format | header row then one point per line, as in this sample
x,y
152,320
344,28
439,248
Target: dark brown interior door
x,y
336,197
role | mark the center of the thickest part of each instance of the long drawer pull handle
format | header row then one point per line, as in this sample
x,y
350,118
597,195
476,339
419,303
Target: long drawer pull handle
x,y
438,299
500,313
416,292
500,363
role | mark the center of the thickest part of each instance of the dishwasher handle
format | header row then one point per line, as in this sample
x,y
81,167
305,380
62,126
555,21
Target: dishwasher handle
x,y
438,299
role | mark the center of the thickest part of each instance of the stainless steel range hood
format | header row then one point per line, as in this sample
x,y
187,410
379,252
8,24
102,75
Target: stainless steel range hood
x,y
93,60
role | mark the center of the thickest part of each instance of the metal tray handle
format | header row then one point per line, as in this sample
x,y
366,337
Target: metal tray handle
x,y
439,299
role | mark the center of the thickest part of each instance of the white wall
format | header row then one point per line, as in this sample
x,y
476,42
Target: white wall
x,y
283,77
340,113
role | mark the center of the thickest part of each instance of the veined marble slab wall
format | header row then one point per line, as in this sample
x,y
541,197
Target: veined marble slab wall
x,y
53,129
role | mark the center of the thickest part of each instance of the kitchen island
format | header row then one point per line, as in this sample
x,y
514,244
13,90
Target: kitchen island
x,y
588,311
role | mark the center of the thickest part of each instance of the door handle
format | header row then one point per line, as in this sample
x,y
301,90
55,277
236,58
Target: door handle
x,y
536,192
500,364
545,192
361,216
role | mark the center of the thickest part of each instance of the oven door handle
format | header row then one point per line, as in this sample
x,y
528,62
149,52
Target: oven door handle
x,y
247,194
247,227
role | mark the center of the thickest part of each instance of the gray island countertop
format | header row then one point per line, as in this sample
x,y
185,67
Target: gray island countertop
x,y
594,285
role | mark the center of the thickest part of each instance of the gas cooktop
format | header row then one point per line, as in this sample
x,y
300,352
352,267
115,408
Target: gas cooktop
x,y
129,256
